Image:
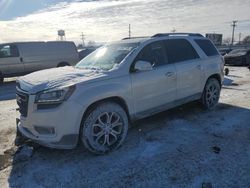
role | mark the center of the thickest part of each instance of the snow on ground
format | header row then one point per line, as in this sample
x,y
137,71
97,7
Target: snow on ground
x,y
182,147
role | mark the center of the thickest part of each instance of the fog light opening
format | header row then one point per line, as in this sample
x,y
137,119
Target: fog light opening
x,y
45,130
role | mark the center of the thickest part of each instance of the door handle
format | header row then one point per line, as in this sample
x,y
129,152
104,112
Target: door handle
x,y
169,74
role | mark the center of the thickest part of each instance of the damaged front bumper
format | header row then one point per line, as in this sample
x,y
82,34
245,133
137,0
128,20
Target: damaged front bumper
x,y
23,134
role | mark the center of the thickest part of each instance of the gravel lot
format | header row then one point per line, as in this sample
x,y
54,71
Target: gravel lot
x,y
182,147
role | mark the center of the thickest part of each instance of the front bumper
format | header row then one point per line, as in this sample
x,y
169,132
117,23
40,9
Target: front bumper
x,y
55,127
66,142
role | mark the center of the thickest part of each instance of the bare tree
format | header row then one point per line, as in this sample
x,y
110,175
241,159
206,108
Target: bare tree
x,y
91,43
226,41
79,46
246,40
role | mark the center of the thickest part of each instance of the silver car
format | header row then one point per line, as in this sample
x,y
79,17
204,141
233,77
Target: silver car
x,y
123,81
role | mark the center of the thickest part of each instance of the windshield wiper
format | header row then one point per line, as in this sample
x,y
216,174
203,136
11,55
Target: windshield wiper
x,y
91,68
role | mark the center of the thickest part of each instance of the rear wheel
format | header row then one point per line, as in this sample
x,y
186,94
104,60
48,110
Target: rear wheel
x,y
105,128
211,94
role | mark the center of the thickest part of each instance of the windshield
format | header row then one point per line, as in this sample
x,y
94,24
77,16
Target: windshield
x,y
238,52
106,57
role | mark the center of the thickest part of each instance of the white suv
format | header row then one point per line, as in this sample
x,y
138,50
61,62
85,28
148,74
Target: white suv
x,y
120,82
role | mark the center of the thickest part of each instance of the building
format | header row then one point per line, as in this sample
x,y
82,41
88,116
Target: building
x,y
215,38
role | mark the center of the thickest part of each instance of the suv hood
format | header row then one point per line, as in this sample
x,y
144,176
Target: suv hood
x,y
56,78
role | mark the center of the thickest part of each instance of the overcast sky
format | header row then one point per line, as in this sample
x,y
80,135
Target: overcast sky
x,y
108,20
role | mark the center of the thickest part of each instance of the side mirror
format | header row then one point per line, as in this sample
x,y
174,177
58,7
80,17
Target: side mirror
x,y
143,66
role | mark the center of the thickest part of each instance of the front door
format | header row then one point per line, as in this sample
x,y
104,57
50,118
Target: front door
x,y
154,89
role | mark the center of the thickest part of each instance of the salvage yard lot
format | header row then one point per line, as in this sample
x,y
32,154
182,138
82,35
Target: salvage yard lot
x,y
182,147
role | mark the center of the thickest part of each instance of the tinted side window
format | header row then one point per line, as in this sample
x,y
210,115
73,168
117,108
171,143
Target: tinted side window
x,y
153,53
179,50
8,51
207,47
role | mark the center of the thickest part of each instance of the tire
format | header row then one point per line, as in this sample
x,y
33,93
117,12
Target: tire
x,y
211,94
104,128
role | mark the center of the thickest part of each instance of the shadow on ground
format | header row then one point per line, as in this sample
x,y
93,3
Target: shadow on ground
x,y
185,147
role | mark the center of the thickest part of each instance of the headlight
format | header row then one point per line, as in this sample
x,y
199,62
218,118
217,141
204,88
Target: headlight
x,y
54,96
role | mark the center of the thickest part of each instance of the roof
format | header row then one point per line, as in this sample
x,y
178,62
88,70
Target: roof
x,y
177,34
164,35
26,42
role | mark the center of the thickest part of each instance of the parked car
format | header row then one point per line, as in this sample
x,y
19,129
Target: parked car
x,y
84,52
224,51
20,58
123,81
238,57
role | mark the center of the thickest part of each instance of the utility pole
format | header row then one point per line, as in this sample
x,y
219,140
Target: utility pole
x,y
239,37
82,38
233,25
129,31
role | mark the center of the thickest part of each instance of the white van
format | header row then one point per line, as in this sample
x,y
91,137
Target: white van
x,y
20,58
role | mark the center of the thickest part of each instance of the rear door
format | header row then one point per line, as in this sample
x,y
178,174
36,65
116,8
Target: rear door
x,y
152,90
10,61
188,67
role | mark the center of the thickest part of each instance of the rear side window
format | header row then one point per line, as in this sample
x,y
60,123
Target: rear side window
x,y
179,50
153,53
207,47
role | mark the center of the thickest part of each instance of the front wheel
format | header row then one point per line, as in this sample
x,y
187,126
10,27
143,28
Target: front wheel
x,y
211,94
105,128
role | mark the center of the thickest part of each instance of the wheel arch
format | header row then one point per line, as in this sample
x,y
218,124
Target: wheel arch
x,y
217,77
115,99
62,64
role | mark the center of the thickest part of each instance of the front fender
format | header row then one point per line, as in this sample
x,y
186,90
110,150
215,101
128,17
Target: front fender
x,y
87,94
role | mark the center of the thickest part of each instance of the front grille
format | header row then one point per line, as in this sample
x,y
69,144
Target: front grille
x,y
22,102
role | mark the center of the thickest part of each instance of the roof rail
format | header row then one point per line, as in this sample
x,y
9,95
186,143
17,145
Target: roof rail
x,y
174,34
135,37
